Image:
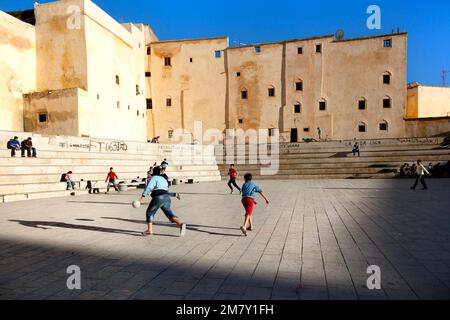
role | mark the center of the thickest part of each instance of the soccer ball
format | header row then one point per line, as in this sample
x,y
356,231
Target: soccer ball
x,y
136,204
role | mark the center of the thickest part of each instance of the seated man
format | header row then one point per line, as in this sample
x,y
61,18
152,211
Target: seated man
x,y
28,146
14,145
70,182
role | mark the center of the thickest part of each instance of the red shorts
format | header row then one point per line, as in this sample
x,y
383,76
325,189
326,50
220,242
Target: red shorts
x,y
249,205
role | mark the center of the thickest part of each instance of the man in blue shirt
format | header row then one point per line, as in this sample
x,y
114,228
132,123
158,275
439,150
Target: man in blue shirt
x,y
14,145
249,191
159,189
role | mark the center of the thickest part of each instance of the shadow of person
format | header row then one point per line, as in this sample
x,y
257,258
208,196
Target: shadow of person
x,y
46,225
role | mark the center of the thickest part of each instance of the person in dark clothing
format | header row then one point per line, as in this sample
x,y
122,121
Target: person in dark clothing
x,y
27,145
14,145
356,149
232,182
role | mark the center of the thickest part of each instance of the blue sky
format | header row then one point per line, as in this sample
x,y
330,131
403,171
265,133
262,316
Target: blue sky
x,y
427,22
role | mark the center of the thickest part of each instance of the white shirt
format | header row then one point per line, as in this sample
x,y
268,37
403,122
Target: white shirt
x,y
421,170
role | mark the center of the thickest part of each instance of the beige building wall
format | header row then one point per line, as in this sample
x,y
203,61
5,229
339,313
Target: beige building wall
x,y
80,46
196,88
17,69
428,101
341,74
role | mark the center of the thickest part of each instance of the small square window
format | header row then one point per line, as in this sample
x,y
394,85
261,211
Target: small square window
x,y
299,86
297,108
167,61
362,128
218,54
387,43
362,104
244,94
383,126
117,79
322,105
238,74
148,74
305,129
168,102
257,49
42,117
149,104
241,121
271,92
170,134
149,51
300,50
386,103
386,79
318,48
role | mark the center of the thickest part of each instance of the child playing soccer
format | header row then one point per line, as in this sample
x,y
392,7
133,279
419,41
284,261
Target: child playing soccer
x,y
249,190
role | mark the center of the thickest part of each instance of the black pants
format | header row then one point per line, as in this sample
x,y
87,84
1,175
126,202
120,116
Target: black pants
x,y
13,151
232,183
30,151
356,151
422,181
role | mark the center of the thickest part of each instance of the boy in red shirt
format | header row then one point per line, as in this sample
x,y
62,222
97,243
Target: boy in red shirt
x,y
111,180
233,175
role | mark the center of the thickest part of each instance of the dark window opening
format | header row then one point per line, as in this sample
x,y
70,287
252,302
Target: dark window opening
x,y
271,92
167,61
257,49
271,132
297,108
299,86
362,104
318,48
386,103
362,128
149,104
386,79
190,59
42,117
238,74
218,54
300,50
137,113
241,121
168,102
305,129
170,134
387,43
117,79
137,90
244,94
383,126
149,51
148,74
322,105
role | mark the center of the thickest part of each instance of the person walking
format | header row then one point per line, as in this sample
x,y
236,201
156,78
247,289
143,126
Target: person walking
x,y
232,182
420,172
14,145
319,132
159,189
111,180
356,149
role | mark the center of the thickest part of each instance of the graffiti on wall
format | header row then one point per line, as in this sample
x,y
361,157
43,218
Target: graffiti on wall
x,y
96,146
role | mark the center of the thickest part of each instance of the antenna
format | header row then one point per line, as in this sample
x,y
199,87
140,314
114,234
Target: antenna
x,y
339,35
444,76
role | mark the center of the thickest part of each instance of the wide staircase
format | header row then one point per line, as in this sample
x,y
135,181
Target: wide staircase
x,y
380,158
90,160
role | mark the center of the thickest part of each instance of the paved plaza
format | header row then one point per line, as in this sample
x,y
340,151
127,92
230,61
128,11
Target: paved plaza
x,y
314,240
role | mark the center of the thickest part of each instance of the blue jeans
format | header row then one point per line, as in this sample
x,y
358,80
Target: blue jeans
x,y
70,185
160,202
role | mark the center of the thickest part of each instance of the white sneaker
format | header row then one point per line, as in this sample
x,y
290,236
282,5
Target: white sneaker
x,y
183,230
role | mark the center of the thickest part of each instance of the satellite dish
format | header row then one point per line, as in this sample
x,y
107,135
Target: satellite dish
x,y
339,35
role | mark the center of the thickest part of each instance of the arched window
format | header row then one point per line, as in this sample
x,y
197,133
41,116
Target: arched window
x,y
387,77
387,102
323,105
298,85
271,91
244,93
362,103
383,125
297,107
362,127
